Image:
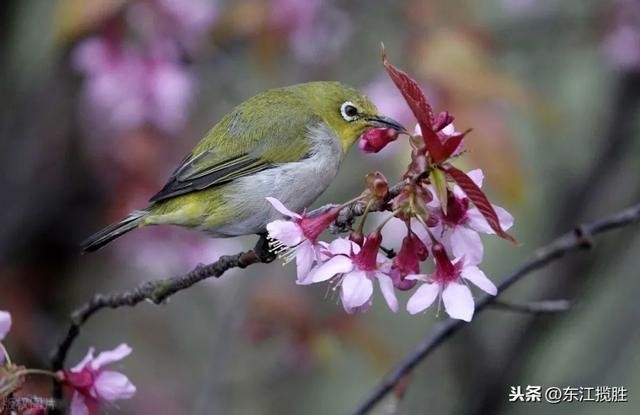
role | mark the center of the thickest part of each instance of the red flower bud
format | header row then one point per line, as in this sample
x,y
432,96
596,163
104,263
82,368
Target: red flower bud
x,y
412,252
376,139
356,237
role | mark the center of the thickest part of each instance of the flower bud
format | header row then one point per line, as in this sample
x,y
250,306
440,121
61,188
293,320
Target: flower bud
x,y
356,237
377,184
442,120
376,139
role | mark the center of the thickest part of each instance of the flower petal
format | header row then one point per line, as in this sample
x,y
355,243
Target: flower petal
x,y
287,232
505,218
111,386
458,301
417,277
424,296
88,358
476,276
466,243
280,207
477,222
477,176
5,324
356,289
339,264
305,257
342,246
111,356
78,407
388,291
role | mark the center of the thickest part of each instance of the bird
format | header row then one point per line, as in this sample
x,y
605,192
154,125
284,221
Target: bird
x,y
286,143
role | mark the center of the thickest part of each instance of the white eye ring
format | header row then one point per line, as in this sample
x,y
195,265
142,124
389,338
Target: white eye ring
x,y
348,106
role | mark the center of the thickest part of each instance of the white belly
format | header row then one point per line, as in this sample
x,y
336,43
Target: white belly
x,y
296,184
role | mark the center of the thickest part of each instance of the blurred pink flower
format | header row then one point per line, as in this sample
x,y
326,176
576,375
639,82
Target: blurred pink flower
x,y
621,45
447,283
191,16
125,90
388,100
165,250
94,385
5,324
298,237
355,269
316,29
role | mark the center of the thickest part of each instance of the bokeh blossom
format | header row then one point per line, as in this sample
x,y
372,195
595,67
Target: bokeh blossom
x,y
5,324
94,385
315,29
135,70
621,44
124,90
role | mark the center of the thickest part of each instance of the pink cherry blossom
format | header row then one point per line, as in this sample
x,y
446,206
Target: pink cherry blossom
x,y
93,384
459,228
354,269
298,237
448,283
5,324
126,89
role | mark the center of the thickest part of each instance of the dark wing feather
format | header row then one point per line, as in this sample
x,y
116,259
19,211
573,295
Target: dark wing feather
x,y
248,149
180,184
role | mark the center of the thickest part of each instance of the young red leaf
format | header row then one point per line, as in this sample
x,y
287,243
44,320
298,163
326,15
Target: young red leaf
x,y
479,199
452,143
419,106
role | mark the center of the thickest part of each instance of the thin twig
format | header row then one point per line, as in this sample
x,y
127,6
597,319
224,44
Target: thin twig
x,y
534,307
157,291
580,238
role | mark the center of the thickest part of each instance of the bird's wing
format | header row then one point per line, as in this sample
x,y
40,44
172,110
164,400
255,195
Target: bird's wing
x,y
252,143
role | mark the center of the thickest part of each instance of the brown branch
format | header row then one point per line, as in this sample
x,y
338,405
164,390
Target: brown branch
x,y
157,291
580,238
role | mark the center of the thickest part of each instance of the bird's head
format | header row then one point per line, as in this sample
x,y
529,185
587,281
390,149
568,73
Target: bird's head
x,y
346,110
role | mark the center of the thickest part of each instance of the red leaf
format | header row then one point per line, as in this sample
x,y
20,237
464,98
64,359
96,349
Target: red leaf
x,y
419,106
479,199
452,143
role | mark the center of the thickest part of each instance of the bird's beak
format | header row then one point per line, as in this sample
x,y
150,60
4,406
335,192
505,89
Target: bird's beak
x,y
380,121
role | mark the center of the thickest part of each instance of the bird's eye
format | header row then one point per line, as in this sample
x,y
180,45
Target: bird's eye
x,y
349,111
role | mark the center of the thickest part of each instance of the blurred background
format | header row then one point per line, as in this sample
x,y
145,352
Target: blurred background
x,y
102,98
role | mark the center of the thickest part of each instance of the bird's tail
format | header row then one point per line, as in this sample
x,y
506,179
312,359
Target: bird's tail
x,y
113,231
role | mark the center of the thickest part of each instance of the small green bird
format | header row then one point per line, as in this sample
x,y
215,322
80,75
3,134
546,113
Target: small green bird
x,y
286,143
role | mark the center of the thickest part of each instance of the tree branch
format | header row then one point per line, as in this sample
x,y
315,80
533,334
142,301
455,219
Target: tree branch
x,y
579,238
534,307
157,291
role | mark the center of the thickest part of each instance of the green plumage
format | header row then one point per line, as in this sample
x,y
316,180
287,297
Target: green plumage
x,y
265,136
